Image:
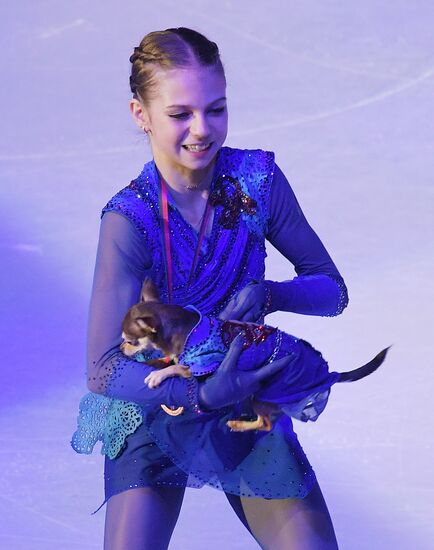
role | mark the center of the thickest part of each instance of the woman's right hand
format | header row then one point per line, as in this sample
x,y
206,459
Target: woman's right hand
x,y
229,385
248,305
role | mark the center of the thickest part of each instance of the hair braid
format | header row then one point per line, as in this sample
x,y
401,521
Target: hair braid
x,y
171,48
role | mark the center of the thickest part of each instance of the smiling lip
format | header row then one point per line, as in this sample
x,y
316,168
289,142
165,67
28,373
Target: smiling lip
x,y
191,148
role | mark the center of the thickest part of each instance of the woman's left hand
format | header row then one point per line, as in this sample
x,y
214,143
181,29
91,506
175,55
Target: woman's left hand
x,y
248,305
229,385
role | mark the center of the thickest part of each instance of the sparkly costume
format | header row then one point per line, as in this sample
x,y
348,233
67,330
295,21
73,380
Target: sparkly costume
x,y
124,413
301,389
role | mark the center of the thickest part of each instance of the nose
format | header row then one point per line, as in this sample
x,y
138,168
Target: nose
x,y
199,126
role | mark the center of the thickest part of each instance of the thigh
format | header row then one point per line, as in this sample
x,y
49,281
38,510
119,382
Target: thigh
x,y
237,507
142,518
291,524
140,464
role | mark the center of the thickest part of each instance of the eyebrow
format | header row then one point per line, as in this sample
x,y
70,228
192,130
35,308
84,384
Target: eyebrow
x,y
223,98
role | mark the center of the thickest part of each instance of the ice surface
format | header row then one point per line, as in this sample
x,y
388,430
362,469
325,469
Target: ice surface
x,y
343,92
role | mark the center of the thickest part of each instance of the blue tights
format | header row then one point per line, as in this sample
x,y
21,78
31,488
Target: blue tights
x,y
144,518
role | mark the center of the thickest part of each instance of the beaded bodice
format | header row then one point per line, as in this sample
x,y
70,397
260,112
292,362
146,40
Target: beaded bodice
x,y
232,255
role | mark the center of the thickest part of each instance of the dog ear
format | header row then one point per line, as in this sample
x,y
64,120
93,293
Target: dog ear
x,y
149,291
149,323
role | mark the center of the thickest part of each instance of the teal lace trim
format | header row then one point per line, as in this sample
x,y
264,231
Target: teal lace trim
x,y
107,420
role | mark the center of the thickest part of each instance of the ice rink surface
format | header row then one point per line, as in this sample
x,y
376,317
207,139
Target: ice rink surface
x,y
343,92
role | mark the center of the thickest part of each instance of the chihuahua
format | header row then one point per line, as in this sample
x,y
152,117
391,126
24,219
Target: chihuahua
x,y
152,325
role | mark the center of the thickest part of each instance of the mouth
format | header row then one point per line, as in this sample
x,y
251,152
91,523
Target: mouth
x,y
198,147
127,350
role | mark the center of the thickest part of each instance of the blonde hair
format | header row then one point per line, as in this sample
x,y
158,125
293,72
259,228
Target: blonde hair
x,y
169,49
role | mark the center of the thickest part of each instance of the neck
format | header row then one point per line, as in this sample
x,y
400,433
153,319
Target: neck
x,y
185,181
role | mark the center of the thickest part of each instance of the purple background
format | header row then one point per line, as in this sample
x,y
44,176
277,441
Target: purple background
x,y
342,91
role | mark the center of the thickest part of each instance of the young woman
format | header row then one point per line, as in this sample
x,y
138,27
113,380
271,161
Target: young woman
x,y
195,220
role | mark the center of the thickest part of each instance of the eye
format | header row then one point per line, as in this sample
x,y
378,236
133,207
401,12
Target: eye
x,y
180,116
132,342
217,110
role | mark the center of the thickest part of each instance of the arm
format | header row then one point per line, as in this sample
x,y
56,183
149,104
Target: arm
x,y
120,267
122,259
318,288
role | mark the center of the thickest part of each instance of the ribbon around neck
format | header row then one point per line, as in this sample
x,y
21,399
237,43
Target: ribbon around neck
x,y
164,213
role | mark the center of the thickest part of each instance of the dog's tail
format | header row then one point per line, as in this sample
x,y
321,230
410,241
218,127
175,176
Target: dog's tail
x,y
365,370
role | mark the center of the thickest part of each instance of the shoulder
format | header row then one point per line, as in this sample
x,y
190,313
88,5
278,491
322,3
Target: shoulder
x,y
254,170
140,191
138,201
247,162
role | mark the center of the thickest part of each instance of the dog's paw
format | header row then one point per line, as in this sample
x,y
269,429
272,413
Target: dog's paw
x,y
262,424
154,379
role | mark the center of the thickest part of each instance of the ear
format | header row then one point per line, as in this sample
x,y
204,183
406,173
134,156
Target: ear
x,y
149,323
149,292
140,114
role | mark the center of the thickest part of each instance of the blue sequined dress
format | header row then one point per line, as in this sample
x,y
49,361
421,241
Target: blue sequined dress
x,y
138,437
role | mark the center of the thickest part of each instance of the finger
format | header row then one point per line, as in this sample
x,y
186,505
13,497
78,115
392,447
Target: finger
x,y
272,368
251,315
226,314
149,380
238,311
233,354
249,308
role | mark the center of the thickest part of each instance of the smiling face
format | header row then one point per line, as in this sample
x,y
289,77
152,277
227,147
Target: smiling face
x,y
186,118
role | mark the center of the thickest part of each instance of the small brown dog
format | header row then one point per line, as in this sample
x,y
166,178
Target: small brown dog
x,y
152,325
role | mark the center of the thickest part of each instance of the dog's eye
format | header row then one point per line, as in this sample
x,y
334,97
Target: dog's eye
x,y
131,342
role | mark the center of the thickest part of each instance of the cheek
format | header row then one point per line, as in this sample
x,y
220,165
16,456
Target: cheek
x,y
171,135
222,130
222,123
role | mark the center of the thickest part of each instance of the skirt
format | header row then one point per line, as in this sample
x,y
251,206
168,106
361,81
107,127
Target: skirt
x,y
194,450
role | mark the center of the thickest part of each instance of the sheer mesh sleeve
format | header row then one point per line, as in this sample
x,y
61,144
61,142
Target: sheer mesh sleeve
x,y
318,288
121,264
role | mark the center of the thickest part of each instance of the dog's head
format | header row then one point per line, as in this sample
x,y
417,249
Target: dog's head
x,y
142,323
140,329
151,324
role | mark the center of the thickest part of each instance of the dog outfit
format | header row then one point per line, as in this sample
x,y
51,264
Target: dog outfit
x,y
301,389
252,202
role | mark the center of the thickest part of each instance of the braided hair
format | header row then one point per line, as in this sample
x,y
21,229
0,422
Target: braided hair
x,y
169,49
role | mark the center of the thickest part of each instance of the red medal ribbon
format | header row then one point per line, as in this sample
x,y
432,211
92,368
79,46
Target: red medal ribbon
x,y
166,235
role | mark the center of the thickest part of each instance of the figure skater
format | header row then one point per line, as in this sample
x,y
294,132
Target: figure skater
x,y
163,226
